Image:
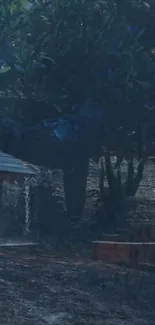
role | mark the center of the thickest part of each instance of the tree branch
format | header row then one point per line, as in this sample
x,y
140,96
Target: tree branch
x,y
130,178
109,173
139,175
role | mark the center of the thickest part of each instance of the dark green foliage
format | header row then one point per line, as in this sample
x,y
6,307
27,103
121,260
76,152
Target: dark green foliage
x,y
64,52
68,51
91,49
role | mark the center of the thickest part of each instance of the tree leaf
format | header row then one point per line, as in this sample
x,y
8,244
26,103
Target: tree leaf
x,y
4,68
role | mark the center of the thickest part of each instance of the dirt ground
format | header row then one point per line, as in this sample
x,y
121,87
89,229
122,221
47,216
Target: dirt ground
x,y
60,286
38,288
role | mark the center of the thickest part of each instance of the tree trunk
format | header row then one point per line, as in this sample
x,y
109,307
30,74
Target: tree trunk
x,y
115,197
75,186
134,178
45,209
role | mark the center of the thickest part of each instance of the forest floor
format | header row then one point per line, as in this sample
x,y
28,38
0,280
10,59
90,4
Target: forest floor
x,y
57,285
43,288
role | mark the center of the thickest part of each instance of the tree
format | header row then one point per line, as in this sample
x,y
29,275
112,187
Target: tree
x,y
72,51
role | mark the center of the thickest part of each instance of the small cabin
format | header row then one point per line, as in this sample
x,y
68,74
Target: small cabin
x,y
12,170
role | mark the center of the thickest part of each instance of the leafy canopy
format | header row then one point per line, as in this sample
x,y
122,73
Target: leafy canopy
x,y
66,51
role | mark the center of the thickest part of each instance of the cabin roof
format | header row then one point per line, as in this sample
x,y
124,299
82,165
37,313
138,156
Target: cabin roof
x,y
10,164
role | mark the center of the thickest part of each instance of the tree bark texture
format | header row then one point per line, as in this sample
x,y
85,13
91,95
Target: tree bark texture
x,y
75,181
